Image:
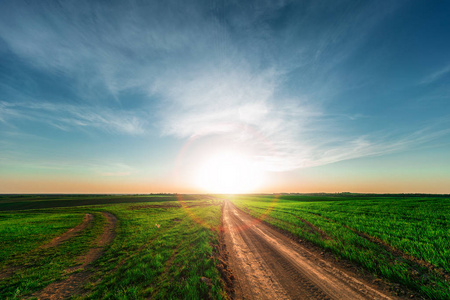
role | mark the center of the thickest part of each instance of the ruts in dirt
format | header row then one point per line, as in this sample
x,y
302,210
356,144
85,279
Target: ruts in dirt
x,y
87,220
268,265
74,283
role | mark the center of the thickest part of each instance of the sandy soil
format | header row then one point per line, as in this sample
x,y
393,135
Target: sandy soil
x,y
268,265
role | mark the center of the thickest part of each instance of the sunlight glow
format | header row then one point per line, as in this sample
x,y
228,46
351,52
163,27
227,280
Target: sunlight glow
x,y
229,173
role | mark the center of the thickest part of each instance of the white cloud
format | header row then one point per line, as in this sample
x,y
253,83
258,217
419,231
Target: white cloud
x,y
67,117
198,79
284,134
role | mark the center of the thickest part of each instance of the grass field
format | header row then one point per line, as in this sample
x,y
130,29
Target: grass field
x,y
404,239
162,248
164,245
29,230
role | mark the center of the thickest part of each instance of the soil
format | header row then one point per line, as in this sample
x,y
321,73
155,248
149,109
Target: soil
x,y
80,274
221,256
267,264
88,218
8,272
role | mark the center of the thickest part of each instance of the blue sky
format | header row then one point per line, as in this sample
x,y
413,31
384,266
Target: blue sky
x,y
102,96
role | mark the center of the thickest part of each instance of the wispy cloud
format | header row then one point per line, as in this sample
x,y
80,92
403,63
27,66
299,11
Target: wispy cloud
x,y
204,71
284,133
13,158
68,117
436,75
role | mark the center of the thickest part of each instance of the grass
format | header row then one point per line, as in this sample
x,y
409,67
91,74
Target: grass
x,y
165,261
162,249
404,239
165,244
35,269
22,232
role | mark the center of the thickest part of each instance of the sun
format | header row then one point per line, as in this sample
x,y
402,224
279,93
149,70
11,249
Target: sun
x,y
229,173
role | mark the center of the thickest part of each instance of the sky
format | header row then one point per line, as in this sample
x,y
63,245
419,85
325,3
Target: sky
x,y
266,96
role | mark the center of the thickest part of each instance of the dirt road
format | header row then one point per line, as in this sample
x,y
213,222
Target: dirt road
x,y
88,218
268,265
74,283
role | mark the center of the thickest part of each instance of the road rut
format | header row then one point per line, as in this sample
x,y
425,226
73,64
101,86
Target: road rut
x,y
73,284
88,218
268,265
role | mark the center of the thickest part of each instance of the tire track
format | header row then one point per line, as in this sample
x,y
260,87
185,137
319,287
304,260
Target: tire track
x,y
268,265
315,229
253,278
74,283
87,220
294,282
397,253
164,273
143,246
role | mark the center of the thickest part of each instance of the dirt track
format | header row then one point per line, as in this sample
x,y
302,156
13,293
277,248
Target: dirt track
x,y
88,218
73,284
268,265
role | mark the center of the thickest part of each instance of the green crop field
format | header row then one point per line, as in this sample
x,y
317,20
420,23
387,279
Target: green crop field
x,y
404,239
163,248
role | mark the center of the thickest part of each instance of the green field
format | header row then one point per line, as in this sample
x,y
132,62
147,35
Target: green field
x,y
161,250
404,239
165,246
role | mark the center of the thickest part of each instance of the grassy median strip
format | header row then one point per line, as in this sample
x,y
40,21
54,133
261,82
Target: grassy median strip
x,y
161,253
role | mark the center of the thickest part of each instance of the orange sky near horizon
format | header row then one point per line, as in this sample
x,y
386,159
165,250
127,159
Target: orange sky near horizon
x,y
66,186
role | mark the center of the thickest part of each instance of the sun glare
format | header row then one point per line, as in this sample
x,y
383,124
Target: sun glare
x,y
229,173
